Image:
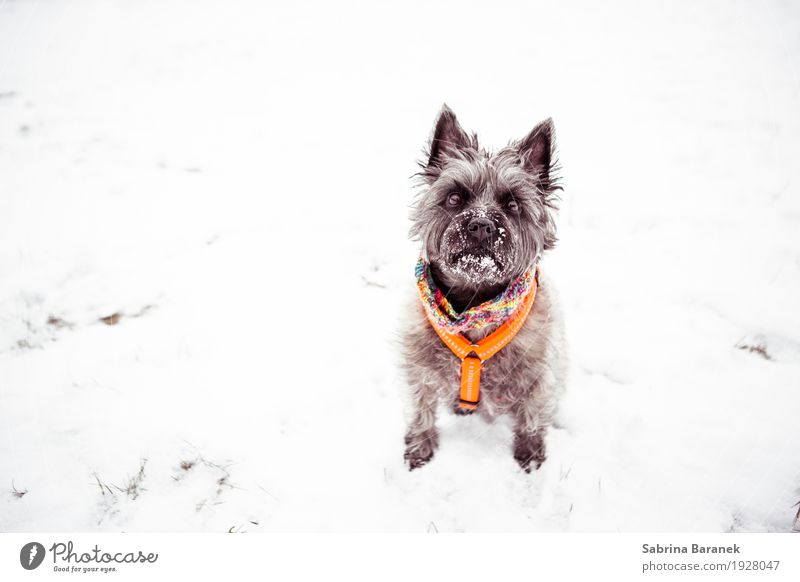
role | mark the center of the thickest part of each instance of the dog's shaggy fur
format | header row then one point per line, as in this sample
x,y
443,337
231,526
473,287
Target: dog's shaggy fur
x,y
509,197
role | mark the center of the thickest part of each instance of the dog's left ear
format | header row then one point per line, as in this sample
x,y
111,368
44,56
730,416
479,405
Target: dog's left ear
x,y
536,151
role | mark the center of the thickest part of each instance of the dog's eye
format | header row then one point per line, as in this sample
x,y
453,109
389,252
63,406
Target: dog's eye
x,y
453,200
513,206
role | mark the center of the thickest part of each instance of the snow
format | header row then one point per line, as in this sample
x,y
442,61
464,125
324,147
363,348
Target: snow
x,y
227,186
472,267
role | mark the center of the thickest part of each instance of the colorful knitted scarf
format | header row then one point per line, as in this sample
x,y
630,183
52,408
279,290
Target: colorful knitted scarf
x,y
495,310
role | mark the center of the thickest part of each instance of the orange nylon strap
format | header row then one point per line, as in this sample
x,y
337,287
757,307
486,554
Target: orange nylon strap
x,y
470,383
472,355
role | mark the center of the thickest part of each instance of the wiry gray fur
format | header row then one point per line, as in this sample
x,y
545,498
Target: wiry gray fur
x,y
513,191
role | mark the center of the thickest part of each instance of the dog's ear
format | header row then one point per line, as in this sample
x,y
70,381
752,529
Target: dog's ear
x,y
448,138
536,151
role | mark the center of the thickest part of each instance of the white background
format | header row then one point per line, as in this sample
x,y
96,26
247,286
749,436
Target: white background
x,y
233,180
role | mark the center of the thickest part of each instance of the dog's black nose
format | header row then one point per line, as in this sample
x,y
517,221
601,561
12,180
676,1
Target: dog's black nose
x,y
481,228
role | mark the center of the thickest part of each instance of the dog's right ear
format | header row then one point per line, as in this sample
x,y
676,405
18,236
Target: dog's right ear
x,y
448,138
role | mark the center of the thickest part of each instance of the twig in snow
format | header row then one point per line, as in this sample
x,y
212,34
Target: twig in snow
x,y
369,283
267,492
134,486
103,486
759,348
240,528
58,323
114,318
16,492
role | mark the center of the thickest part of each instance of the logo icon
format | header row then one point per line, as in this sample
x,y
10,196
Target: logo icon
x,y
31,555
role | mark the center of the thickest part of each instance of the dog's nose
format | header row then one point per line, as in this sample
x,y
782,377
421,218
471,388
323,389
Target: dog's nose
x,y
481,228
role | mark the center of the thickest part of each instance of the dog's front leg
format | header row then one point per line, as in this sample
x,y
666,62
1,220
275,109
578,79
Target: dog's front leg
x,y
422,437
533,416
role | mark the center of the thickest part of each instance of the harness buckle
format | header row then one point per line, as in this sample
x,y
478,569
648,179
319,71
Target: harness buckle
x,y
470,394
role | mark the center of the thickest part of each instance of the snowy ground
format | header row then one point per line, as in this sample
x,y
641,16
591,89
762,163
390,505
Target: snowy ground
x,y
203,263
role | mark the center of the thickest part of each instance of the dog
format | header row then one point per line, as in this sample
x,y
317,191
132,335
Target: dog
x,y
484,219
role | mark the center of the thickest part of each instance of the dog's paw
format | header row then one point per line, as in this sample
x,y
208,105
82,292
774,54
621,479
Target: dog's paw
x,y
529,451
415,460
420,449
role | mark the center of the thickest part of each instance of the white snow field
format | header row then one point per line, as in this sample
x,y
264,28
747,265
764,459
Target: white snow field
x,y
204,263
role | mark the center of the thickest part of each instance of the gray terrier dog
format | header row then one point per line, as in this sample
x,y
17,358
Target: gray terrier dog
x,y
484,219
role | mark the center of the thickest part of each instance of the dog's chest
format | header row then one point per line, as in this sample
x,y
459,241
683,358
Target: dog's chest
x,y
507,378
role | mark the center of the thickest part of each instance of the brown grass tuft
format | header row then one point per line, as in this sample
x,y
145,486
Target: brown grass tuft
x,y
760,349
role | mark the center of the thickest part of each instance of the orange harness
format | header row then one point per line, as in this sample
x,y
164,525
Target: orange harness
x,y
472,355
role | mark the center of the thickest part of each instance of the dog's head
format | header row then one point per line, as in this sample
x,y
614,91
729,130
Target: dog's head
x,y
484,218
